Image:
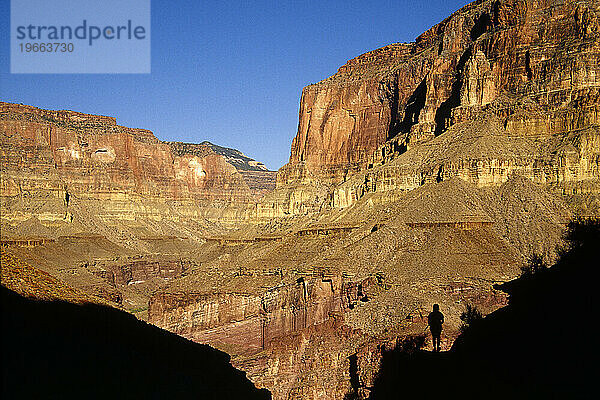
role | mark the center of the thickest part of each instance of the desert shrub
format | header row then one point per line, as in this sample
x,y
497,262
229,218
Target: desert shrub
x,y
411,343
469,317
582,231
535,264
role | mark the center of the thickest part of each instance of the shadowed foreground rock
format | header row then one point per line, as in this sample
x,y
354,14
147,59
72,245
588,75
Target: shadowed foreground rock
x,y
542,345
57,350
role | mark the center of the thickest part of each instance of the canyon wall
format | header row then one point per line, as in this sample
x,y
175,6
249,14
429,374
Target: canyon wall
x,y
248,321
299,334
294,311
522,79
91,155
449,161
56,161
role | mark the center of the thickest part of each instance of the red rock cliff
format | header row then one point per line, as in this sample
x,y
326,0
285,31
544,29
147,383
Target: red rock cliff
x,y
60,165
533,64
92,156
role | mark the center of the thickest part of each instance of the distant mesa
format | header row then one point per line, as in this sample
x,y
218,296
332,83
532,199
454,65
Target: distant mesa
x,y
237,158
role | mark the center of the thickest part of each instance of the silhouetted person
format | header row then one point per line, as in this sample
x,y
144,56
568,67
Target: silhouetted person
x,y
435,319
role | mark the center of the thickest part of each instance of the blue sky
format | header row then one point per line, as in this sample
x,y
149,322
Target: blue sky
x,y
228,72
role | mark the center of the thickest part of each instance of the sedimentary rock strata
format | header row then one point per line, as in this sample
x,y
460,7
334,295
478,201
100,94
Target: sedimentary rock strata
x,y
72,158
421,173
249,321
532,67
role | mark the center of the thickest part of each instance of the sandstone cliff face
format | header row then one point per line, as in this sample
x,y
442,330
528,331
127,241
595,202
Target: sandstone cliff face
x,y
248,321
93,156
291,339
67,165
484,157
531,66
255,175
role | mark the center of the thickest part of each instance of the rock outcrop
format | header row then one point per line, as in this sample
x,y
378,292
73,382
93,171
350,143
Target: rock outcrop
x,y
92,155
520,76
68,351
57,161
245,320
258,178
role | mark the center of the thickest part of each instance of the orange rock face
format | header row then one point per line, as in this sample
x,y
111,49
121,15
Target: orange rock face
x,y
533,64
283,335
62,166
247,322
91,155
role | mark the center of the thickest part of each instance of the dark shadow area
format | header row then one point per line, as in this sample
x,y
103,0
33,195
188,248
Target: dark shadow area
x,y
444,111
482,24
528,66
543,345
393,128
415,104
58,350
354,379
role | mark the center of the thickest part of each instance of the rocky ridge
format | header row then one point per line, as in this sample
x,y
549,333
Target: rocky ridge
x,y
256,175
70,351
63,166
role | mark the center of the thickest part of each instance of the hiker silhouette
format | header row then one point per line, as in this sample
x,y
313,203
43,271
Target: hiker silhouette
x,y
435,319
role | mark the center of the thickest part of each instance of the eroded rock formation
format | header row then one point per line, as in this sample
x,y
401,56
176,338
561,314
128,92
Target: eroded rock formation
x,y
520,76
249,321
58,161
421,173
92,155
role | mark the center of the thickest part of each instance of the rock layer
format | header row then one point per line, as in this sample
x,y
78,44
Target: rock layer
x,y
92,155
247,321
293,310
61,160
532,66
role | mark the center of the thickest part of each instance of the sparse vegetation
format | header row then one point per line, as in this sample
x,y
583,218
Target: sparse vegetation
x,y
581,232
412,343
32,282
469,317
535,264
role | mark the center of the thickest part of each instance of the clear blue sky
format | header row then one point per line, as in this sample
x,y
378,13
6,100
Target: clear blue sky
x,y
229,72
